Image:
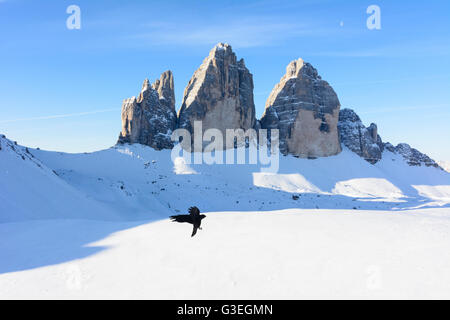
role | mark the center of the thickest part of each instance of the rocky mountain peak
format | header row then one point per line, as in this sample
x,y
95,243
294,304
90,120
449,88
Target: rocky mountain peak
x,y
302,106
373,130
145,85
221,47
306,110
166,89
151,118
220,93
221,51
301,69
412,156
365,142
293,69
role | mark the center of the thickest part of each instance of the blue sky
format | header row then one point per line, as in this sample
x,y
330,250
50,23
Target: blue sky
x,y
62,89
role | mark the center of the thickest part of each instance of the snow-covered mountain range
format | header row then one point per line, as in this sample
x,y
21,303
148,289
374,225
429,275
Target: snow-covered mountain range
x,y
345,216
133,182
95,225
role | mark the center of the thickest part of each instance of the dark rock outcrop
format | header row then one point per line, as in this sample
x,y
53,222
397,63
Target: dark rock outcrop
x,y
412,156
305,109
365,142
151,118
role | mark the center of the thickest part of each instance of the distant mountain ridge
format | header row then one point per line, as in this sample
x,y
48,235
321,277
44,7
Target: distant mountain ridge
x,y
136,182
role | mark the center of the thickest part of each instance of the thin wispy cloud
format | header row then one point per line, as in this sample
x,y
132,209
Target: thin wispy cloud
x,y
418,49
69,115
400,79
405,108
242,33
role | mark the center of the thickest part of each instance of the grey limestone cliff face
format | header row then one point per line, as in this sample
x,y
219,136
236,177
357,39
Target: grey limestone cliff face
x,y
305,109
220,94
151,118
365,142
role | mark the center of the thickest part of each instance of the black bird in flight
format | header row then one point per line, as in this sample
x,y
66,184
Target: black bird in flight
x,y
194,217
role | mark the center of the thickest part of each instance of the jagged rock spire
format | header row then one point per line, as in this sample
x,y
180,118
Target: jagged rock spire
x,y
220,93
150,118
365,142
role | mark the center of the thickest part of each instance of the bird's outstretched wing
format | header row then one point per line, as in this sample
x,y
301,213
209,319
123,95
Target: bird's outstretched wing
x,y
194,231
182,218
194,211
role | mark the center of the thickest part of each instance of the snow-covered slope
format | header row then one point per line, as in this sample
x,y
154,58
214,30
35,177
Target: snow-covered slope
x,y
138,181
282,254
30,190
332,227
445,165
